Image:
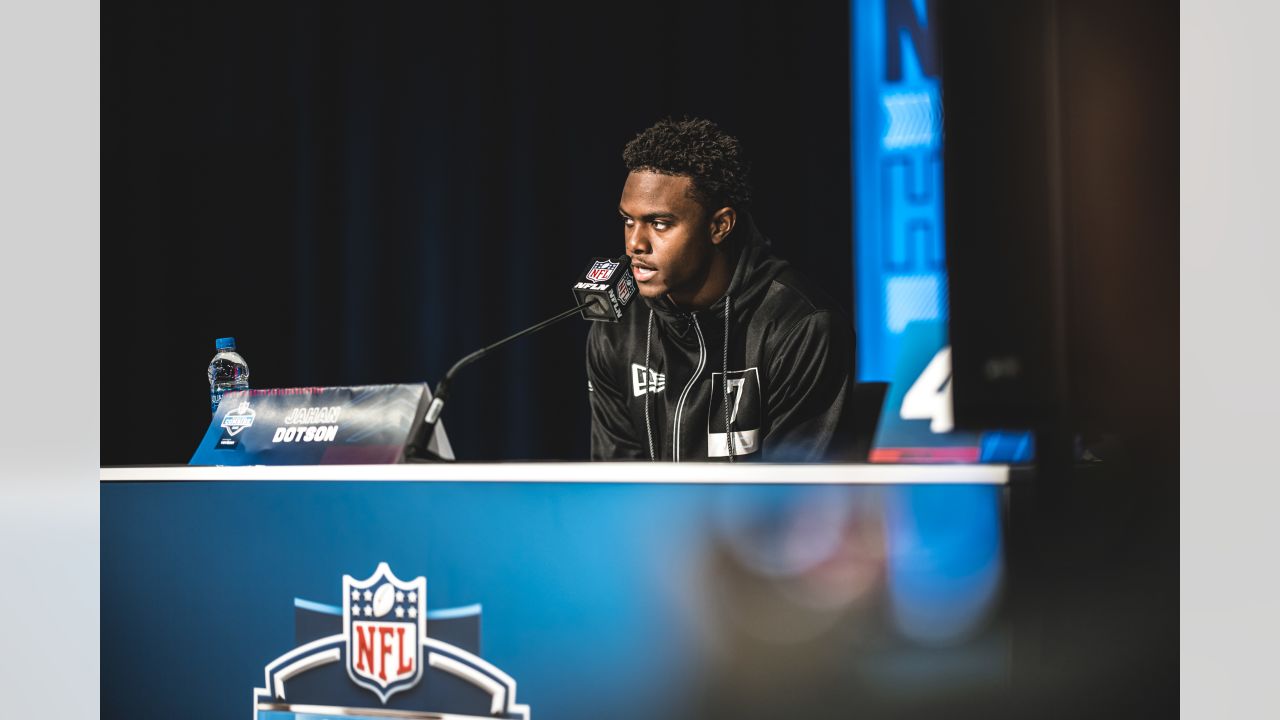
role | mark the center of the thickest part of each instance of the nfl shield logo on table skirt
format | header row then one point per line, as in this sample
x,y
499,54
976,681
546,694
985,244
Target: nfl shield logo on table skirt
x,y
385,621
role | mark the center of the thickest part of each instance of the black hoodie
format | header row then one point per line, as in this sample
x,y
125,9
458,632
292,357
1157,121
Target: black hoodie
x,y
656,378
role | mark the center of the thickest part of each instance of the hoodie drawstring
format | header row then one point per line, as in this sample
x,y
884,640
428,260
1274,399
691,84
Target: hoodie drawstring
x,y
648,429
728,430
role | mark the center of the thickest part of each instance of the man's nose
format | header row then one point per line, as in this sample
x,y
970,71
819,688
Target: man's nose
x,y
637,240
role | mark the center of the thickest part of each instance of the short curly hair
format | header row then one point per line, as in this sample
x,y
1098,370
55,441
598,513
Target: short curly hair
x,y
700,150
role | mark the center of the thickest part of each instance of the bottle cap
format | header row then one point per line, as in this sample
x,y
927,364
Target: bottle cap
x,y
226,343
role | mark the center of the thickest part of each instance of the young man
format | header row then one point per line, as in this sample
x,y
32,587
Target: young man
x,y
732,355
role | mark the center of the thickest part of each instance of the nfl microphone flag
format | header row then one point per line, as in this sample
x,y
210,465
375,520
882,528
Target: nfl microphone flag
x,y
607,284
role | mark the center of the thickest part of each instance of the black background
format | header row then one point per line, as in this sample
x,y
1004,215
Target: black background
x,y
363,193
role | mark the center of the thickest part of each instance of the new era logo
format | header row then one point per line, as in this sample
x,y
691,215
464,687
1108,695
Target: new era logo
x,y
644,380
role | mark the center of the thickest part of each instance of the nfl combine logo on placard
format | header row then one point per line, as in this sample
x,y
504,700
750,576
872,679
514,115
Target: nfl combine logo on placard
x,y
601,270
238,419
385,621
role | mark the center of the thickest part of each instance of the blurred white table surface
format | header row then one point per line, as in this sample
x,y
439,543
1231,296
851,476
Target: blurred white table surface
x,y
578,472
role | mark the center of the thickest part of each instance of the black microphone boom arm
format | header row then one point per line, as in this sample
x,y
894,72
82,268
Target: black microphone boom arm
x,y
417,446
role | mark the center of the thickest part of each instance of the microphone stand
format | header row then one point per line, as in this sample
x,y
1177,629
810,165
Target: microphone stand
x,y
416,449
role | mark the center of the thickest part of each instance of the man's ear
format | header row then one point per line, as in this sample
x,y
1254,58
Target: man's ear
x,y
722,224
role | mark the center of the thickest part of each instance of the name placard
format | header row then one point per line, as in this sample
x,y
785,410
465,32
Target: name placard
x,y
364,424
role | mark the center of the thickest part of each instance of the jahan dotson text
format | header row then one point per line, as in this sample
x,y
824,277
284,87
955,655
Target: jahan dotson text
x,y
309,424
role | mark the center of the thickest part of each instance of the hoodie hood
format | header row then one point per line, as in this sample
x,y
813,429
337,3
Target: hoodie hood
x,y
755,267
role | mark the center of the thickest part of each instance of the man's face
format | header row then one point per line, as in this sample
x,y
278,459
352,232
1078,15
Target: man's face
x,y
668,235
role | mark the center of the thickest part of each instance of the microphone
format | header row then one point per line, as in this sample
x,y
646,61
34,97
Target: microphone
x,y
606,287
602,292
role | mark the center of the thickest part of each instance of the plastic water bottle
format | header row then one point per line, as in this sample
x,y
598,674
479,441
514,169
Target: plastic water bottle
x,y
227,371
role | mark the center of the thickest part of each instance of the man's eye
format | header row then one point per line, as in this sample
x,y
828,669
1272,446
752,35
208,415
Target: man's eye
x,y
628,221
660,225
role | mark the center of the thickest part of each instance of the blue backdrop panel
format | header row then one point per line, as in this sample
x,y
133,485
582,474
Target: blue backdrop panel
x,y
900,275
899,262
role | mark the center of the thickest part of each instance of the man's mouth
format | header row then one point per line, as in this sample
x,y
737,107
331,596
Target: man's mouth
x,y
642,272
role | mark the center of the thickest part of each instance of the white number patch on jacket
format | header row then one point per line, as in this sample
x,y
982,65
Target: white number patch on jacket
x,y
744,413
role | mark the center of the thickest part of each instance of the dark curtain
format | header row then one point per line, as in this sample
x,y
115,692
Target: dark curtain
x,y
362,193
